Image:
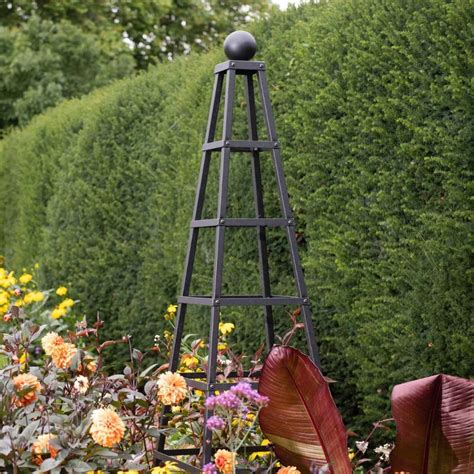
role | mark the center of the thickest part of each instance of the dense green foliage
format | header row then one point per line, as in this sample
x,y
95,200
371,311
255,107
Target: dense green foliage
x,y
43,62
54,50
158,29
373,106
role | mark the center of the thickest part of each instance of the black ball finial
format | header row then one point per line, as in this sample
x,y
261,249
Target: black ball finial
x,y
240,45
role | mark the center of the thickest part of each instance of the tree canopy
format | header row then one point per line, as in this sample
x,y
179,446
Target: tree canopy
x,y
53,50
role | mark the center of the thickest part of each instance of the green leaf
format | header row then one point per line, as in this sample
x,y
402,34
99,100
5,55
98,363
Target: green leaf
x,y
49,464
79,466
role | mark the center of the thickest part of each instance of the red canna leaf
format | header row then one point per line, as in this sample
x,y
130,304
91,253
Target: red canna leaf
x,y
435,426
301,419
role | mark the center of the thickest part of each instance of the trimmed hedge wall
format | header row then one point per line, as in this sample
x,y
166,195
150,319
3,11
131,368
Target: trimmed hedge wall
x,y
373,107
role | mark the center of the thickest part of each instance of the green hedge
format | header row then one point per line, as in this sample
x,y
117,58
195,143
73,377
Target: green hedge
x,y
373,106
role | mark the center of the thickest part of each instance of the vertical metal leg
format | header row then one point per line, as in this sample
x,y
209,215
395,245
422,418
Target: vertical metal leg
x,y
259,210
192,241
219,256
286,209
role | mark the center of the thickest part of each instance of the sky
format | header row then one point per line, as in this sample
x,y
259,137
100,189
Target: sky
x,y
284,3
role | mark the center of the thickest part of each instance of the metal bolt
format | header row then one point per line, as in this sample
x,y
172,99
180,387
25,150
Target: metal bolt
x,y
232,64
221,221
216,301
255,149
261,66
227,142
276,144
290,221
212,387
305,300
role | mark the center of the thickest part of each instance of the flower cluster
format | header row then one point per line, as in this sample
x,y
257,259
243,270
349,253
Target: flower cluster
x,y
61,352
43,446
172,388
27,388
107,427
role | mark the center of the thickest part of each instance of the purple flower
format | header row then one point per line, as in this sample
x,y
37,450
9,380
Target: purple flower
x,y
244,389
209,468
228,400
225,400
261,400
211,402
215,423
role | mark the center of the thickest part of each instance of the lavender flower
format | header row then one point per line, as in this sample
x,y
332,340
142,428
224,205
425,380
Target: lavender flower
x,y
209,468
244,390
215,423
225,400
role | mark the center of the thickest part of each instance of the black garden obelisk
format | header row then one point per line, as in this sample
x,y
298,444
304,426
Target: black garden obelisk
x,y
239,47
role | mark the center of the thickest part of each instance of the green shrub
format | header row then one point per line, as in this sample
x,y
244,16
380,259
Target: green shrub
x,y
372,102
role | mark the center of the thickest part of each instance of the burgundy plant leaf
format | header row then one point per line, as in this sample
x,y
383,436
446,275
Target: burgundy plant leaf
x,y
301,419
435,426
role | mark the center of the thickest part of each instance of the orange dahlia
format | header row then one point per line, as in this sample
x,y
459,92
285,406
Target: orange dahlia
x,y
107,427
22,382
50,342
62,355
224,461
42,446
172,388
288,470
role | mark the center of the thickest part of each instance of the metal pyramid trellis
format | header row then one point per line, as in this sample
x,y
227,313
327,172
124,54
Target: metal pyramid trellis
x,y
240,47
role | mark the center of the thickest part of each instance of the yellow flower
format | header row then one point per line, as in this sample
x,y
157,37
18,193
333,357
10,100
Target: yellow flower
x,y
107,427
172,308
91,366
351,454
7,280
34,297
226,328
22,382
166,469
22,360
63,354
58,313
224,461
259,454
172,388
189,361
4,298
25,278
67,303
222,346
61,291
51,341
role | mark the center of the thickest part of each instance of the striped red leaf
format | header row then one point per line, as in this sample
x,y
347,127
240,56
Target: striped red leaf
x,y
435,426
301,419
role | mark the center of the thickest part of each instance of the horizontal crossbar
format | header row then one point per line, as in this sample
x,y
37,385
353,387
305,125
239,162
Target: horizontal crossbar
x,y
202,375
168,455
241,145
243,222
244,66
243,300
205,387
